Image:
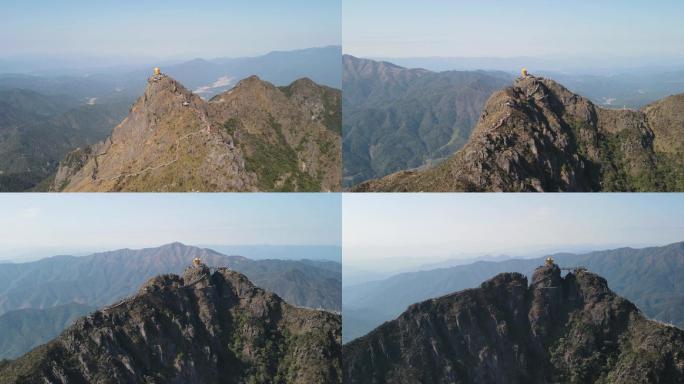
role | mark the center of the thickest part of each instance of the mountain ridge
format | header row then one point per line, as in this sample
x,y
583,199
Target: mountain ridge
x,y
37,130
24,329
174,140
201,327
397,118
103,277
538,136
556,329
657,291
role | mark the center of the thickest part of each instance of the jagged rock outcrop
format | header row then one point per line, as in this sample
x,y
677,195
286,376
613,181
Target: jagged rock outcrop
x,y
200,328
570,329
254,137
538,136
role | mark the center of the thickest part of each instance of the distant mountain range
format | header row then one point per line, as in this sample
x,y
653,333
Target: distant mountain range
x,y
538,136
203,327
570,329
103,278
42,118
52,291
322,65
255,137
282,252
24,329
211,77
630,89
649,277
606,82
397,118
37,130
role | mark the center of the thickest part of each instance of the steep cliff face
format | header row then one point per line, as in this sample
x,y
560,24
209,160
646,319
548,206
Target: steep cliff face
x,y
253,137
539,136
666,118
570,329
200,328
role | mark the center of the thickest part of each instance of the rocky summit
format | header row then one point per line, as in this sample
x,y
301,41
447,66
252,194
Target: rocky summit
x,y
538,136
202,327
570,329
254,137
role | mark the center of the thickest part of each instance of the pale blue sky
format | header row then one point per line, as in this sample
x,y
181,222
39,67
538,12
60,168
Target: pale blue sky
x,y
504,28
165,28
109,221
432,227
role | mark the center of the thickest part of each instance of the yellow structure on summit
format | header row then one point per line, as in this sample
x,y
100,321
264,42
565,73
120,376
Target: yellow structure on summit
x,y
523,72
549,261
197,262
157,71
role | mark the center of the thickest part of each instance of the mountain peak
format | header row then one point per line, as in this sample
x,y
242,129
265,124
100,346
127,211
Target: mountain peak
x,y
571,329
216,327
195,274
536,135
505,281
173,140
252,81
165,92
202,277
176,245
547,276
303,84
547,90
164,82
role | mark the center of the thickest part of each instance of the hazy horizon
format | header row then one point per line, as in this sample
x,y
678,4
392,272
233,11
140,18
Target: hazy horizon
x,y
594,30
95,222
604,66
39,64
132,31
30,254
414,231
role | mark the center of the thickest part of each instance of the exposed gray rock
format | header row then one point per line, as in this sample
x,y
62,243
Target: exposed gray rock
x,y
557,330
202,328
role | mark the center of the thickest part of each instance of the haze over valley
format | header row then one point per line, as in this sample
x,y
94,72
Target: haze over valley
x,y
46,116
69,287
295,258
72,73
438,244
512,288
497,97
